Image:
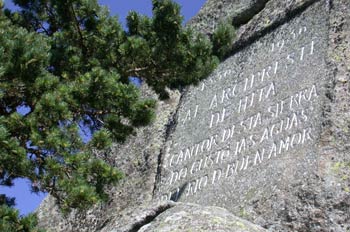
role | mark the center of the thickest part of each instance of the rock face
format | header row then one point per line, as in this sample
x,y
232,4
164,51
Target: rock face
x,y
254,113
263,136
255,120
266,137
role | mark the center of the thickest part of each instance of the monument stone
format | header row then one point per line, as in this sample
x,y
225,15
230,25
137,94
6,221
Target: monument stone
x,y
262,144
260,136
252,126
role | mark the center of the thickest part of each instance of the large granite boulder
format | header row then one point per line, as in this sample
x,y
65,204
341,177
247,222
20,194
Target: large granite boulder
x,y
266,136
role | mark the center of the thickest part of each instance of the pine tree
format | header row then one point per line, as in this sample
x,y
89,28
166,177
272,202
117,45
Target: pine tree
x,y
65,67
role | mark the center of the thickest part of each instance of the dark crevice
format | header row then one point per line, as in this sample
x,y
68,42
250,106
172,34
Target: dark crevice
x,y
149,218
159,170
176,195
170,127
246,15
243,43
330,3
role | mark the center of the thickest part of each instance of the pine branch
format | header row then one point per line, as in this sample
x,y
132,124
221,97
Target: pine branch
x,y
77,25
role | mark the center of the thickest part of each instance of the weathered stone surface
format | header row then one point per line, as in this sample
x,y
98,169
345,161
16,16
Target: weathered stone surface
x,y
244,124
274,151
191,217
137,158
266,136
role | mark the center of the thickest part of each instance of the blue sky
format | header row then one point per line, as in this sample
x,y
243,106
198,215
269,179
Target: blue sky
x,y
28,202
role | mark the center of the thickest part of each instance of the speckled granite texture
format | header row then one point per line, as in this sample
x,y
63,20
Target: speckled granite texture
x,y
263,143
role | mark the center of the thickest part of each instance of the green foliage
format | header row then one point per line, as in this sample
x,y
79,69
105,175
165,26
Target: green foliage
x,y
68,63
11,222
222,39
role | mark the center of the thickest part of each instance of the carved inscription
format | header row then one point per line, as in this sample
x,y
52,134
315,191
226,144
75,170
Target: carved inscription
x,y
251,119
